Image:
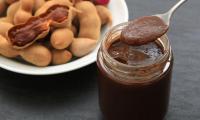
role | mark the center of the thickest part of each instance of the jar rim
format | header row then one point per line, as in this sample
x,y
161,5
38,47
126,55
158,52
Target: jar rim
x,y
138,65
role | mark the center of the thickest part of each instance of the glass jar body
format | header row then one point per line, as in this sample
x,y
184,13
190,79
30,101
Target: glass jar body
x,y
134,102
121,99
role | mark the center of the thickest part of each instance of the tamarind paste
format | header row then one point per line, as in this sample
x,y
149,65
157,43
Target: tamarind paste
x,y
134,80
144,29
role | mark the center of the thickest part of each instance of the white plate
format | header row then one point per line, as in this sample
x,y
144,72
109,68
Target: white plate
x,y
120,14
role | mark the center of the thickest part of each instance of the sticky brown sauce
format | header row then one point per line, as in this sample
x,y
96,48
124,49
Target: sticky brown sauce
x,y
143,30
129,54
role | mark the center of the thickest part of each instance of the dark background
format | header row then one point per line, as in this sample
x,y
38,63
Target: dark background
x,y
73,96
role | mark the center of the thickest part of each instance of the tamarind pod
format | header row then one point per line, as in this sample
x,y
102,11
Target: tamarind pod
x,y
6,48
82,46
61,57
90,23
37,55
61,38
104,14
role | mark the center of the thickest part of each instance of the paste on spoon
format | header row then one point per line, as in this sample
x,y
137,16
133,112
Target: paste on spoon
x,y
144,30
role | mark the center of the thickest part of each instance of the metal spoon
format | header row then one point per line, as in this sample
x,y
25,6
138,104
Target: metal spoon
x,y
166,17
148,28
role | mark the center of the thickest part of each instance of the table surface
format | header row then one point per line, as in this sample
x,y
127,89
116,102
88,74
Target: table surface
x,y
74,96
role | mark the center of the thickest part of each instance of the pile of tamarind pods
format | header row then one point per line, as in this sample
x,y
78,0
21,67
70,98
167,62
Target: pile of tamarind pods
x,y
50,32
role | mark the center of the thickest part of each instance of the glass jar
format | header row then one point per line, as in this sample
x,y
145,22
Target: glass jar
x,y
133,92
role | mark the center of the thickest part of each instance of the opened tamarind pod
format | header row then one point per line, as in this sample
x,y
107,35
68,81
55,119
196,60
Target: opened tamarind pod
x,y
72,11
37,27
65,23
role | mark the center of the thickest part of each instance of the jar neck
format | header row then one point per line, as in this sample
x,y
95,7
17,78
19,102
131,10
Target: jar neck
x,y
136,73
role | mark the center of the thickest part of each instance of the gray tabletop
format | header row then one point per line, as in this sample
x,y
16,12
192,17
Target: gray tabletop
x,y
74,96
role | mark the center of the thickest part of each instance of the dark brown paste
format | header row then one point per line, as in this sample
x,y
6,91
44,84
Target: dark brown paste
x,y
143,30
129,54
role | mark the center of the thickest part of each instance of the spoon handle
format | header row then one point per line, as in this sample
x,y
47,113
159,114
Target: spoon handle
x,y
167,16
174,8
